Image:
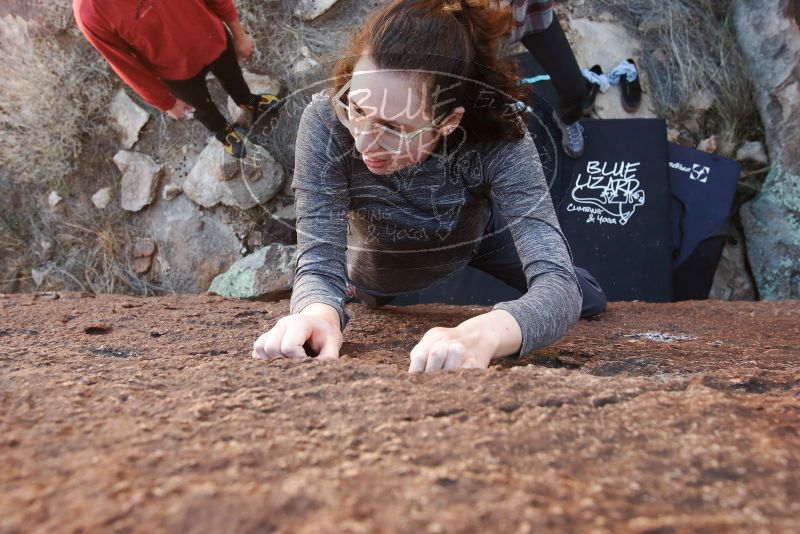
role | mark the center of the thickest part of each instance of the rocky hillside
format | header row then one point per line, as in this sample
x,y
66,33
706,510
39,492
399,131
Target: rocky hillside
x,y
109,195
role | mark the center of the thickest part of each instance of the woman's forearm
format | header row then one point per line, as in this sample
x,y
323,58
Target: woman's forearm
x,y
495,332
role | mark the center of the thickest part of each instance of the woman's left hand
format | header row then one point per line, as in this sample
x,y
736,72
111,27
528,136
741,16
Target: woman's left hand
x,y
449,348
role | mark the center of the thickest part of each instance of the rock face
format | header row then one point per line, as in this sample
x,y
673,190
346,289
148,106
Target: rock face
x,y
129,118
768,33
259,84
217,178
311,9
267,273
140,176
653,418
193,247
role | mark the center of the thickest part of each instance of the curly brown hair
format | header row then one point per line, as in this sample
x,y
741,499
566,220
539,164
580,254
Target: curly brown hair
x,y
447,40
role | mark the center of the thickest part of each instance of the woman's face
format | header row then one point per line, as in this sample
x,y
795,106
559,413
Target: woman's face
x,y
400,103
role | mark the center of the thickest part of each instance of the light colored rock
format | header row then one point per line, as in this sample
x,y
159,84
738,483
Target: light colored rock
x,y
129,118
732,280
255,240
771,225
769,37
217,178
171,191
709,145
54,199
607,42
311,9
39,275
258,84
193,247
673,134
267,273
102,198
305,61
702,101
143,252
142,265
140,176
285,212
753,151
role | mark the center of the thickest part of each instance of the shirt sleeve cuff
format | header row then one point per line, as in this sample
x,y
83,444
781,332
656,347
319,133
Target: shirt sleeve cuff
x,y
334,302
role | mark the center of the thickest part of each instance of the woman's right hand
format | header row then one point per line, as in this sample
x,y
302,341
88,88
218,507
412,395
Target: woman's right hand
x,y
181,110
317,324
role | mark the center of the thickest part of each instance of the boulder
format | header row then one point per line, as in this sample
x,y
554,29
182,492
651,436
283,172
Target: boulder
x,y
217,178
311,9
102,198
710,145
129,118
139,182
267,273
732,281
769,37
193,246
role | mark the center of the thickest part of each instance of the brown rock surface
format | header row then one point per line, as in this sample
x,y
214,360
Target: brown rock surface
x,y
654,418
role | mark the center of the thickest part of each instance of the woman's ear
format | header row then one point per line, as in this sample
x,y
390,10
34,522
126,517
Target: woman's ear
x,y
452,121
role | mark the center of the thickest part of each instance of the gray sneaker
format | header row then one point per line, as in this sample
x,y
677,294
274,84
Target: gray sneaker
x,y
571,136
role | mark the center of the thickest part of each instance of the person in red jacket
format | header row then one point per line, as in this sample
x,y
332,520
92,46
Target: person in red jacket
x,y
163,50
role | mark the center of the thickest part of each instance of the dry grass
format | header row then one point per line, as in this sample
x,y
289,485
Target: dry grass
x,y
50,98
83,250
689,48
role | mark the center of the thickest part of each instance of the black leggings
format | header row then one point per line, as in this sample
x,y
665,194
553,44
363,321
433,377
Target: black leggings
x,y
551,49
194,91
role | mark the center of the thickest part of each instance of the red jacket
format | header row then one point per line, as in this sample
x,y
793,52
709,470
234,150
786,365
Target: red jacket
x,y
145,40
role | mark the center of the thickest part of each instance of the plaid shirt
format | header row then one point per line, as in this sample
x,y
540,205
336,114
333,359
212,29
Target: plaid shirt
x,y
530,16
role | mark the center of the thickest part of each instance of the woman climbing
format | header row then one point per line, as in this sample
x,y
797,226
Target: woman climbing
x,y
414,165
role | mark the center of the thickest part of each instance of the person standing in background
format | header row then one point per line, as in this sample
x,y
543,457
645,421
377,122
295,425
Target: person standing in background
x,y
537,27
164,49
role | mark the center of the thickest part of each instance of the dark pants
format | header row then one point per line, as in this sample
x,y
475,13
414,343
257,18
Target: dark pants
x,y
497,255
551,49
194,91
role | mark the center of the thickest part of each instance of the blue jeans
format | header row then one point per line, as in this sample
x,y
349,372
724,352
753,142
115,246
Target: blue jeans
x,y
497,255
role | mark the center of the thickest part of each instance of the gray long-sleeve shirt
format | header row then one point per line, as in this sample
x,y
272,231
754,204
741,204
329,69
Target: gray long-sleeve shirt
x,y
414,227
